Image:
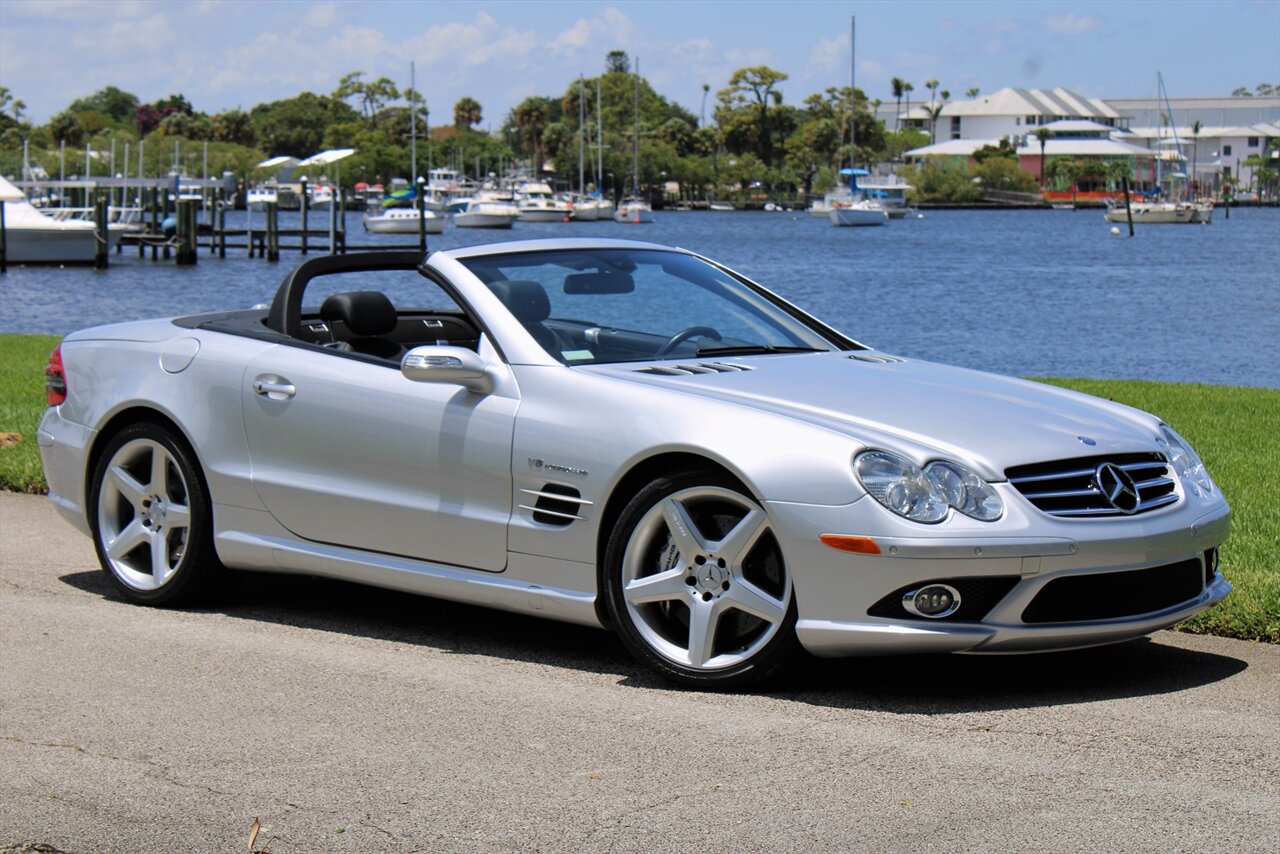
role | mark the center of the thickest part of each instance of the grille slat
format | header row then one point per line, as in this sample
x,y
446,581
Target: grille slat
x,y
1068,488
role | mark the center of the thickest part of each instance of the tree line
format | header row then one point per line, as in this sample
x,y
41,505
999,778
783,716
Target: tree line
x,y
749,137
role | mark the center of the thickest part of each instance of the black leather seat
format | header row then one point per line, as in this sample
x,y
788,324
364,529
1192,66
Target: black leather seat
x,y
367,316
529,303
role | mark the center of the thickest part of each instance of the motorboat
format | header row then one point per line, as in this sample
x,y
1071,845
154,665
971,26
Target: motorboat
x,y
890,194
863,212
486,213
33,237
260,196
633,210
536,203
829,201
402,221
721,206
321,197
585,208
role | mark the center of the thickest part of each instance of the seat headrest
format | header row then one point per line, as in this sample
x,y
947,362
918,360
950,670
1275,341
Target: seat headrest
x,y
362,312
526,300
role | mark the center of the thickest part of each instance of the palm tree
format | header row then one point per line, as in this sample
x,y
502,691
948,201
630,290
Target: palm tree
x,y
934,112
899,89
932,86
531,119
907,89
973,92
1042,134
466,113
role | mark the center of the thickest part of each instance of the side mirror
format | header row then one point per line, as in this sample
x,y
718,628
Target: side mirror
x,y
455,365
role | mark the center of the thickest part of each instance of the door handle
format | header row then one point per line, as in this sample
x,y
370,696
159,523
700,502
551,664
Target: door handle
x,y
274,388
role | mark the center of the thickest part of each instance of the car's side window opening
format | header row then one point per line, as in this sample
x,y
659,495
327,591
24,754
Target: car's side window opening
x,y
383,313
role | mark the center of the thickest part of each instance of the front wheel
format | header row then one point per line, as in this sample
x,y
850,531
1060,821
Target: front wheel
x,y
697,584
152,519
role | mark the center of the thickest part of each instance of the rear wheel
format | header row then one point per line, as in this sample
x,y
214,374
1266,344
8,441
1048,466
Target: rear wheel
x,y
151,517
697,584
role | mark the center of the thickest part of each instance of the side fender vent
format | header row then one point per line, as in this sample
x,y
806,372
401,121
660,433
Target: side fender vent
x,y
556,504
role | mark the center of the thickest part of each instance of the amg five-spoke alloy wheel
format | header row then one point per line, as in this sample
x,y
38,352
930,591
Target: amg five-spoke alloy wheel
x,y
697,584
151,518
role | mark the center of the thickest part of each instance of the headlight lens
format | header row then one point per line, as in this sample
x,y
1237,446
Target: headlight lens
x,y
901,486
1185,462
924,495
966,491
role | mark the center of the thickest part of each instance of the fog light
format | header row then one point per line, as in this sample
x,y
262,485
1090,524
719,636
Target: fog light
x,y
934,601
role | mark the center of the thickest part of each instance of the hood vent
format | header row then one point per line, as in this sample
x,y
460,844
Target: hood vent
x,y
700,368
557,505
877,358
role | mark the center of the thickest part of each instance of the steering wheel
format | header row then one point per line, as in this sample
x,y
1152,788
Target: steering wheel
x,y
684,335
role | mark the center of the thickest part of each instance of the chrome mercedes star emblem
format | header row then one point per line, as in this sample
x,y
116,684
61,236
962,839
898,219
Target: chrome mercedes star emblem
x,y
1117,487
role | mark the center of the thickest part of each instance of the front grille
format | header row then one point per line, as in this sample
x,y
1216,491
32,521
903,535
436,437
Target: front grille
x,y
1107,595
978,595
1070,488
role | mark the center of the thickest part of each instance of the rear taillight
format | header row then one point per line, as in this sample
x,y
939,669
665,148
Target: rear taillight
x,y
55,378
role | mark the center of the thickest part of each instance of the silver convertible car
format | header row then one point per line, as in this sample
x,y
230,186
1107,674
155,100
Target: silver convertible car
x,y
624,435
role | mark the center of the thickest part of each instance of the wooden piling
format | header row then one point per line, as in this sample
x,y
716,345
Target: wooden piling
x,y
4,243
306,206
273,231
222,229
101,234
186,232
333,225
421,202
1128,211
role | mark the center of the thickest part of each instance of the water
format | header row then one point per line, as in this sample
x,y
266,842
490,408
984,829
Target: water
x,y
1025,293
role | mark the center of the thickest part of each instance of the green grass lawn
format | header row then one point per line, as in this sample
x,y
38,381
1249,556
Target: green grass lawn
x,y
1233,429
22,361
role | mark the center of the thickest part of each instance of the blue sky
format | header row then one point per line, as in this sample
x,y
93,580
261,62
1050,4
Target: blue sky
x,y
228,53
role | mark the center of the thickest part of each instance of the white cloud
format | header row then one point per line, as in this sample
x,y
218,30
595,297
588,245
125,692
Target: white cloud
x,y
829,55
1071,24
608,29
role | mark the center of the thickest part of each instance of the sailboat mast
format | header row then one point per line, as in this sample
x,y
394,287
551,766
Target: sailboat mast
x,y
582,139
853,98
413,128
599,144
635,142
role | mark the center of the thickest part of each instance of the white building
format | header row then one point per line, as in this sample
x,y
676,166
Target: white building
x,y
1231,129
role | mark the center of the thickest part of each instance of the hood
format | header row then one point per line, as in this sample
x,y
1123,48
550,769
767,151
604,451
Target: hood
x,y
921,409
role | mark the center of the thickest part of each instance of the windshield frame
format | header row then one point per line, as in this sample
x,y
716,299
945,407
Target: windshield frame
x,y
784,327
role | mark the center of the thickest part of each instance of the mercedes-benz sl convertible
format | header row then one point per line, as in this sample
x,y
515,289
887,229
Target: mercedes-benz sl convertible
x,y
624,435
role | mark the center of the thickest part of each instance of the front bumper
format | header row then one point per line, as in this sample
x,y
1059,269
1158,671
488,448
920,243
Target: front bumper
x,y
836,590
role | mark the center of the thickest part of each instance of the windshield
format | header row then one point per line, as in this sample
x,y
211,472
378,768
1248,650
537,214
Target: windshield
x,y
588,306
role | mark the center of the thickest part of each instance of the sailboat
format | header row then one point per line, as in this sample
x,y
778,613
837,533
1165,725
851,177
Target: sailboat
x,y
633,208
1177,210
858,210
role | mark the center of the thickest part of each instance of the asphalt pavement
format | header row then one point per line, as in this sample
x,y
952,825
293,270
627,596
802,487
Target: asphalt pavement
x,y
347,719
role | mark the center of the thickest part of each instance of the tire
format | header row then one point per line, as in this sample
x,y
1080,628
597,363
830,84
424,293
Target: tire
x,y
697,586
151,518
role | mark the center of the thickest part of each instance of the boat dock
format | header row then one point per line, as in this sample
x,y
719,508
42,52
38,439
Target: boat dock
x,y
167,221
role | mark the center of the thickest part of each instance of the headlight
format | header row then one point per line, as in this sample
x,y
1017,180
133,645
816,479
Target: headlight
x,y
966,491
901,486
924,495
1185,462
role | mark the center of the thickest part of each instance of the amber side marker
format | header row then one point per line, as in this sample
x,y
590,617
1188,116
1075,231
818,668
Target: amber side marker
x,y
846,543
